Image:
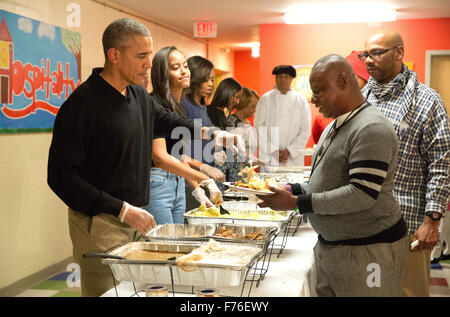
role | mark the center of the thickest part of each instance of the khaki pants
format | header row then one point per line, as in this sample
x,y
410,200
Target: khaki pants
x,y
97,234
417,273
366,270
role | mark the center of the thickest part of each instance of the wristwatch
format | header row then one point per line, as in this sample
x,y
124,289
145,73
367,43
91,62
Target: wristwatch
x,y
434,215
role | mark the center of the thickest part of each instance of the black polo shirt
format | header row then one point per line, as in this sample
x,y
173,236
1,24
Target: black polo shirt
x,y
100,154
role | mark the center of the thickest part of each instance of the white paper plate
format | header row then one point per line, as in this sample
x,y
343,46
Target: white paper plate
x,y
308,152
247,190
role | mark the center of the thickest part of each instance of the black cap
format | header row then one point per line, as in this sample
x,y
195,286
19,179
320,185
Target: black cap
x,y
284,69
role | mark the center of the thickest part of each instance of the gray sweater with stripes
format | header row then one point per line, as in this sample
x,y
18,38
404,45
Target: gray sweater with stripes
x,y
350,192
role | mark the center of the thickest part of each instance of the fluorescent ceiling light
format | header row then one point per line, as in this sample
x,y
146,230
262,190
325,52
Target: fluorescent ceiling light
x,y
249,44
255,51
254,46
340,13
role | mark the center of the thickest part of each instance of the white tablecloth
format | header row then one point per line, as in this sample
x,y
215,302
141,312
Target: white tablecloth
x,y
292,274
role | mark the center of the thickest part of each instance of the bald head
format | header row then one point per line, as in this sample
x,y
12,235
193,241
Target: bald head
x,y
388,38
334,66
334,86
385,65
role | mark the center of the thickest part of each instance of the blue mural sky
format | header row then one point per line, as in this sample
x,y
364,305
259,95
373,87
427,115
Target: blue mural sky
x,y
36,42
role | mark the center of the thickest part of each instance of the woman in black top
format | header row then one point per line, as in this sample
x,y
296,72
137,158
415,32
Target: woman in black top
x,y
224,100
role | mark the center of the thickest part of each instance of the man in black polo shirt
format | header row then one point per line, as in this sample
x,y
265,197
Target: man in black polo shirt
x,y
100,155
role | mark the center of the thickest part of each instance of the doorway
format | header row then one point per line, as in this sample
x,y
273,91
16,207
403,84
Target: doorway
x,y
437,69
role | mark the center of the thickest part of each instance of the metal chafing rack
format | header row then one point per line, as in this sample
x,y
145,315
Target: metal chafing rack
x,y
168,272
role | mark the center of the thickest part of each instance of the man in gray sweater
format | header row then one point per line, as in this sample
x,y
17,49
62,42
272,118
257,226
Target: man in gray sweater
x,y
349,198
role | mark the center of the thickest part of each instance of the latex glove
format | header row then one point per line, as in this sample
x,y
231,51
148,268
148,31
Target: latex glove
x,y
138,219
214,193
233,141
213,172
220,157
200,196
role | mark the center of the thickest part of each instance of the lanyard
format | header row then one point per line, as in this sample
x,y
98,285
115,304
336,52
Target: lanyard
x,y
332,134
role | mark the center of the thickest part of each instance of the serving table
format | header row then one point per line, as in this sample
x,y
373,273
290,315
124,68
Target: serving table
x,y
292,275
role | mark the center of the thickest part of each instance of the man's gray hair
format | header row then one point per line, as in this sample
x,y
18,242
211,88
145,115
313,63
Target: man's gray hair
x,y
119,32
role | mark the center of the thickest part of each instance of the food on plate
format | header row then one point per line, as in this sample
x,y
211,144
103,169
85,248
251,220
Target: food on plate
x,y
249,171
252,181
146,255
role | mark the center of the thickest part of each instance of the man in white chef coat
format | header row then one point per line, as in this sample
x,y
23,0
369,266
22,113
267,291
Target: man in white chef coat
x,y
283,121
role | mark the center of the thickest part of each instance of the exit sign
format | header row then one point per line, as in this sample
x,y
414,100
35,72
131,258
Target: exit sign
x,y
205,29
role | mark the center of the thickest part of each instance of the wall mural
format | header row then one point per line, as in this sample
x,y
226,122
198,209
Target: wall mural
x,y
301,81
40,66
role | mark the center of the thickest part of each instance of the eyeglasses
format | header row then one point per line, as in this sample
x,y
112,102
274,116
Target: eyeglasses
x,y
375,55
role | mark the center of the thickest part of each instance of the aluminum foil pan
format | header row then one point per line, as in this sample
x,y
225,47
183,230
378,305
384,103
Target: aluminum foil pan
x,y
242,234
183,232
280,223
166,272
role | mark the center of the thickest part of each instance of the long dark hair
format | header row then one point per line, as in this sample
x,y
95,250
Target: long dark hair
x,y
200,69
161,80
225,92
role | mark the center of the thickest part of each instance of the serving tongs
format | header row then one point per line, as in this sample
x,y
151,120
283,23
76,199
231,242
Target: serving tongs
x,y
244,157
223,211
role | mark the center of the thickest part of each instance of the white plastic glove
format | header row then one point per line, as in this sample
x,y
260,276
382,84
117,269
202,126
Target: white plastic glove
x,y
138,218
213,172
230,140
200,196
214,193
220,157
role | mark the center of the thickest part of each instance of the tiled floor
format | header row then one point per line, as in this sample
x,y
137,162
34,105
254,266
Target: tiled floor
x,y
440,279
57,285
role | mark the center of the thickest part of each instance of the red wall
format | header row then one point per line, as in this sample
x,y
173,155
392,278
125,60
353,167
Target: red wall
x,y
304,44
246,69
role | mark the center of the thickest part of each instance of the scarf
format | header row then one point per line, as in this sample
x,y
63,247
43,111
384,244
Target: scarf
x,y
383,90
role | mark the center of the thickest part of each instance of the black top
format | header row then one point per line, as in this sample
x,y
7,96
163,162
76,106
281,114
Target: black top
x,y
172,142
218,117
101,148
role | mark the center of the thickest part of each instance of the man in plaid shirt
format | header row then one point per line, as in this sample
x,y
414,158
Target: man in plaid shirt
x,y
420,119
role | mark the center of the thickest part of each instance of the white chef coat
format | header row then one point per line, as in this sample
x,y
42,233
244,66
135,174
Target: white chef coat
x,y
282,121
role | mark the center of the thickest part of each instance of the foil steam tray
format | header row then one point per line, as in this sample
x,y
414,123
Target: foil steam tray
x,y
280,223
167,272
186,233
242,231
183,232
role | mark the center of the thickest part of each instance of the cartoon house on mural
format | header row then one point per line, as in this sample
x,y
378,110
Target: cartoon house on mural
x,y
6,62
